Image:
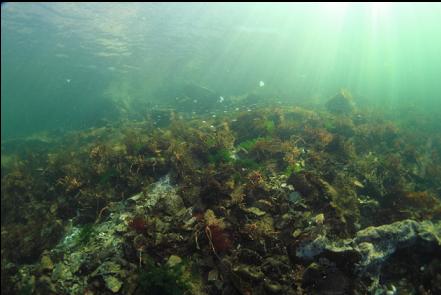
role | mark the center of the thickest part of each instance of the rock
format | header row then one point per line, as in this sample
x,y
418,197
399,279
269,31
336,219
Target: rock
x,y
275,268
264,205
249,256
108,267
61,272
341,103
174,260
112,283
190,224
161,226
172,204
376,244
256,211
272,287
137,197
294,197
44,285
302,184
194,97
312,274
319,219
121,228
76,260
322,244
162,197
325,279
372,246
27,284
46,263
249,273
296,233
213,275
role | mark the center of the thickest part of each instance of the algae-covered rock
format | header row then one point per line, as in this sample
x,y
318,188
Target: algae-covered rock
x,y
372,246
376,244
249,256
46,263
325,279
322,244
112,283
341,103
174,260
161,197
256,211
272,287
45,285
249,273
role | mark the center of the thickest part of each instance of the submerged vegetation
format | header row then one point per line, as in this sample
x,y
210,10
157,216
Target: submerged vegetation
x,y
246,197
163,280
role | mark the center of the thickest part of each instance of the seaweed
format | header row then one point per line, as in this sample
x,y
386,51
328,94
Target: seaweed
x,y
270,126
86,232
294,168
249,164
107,176
220,156
248,144
163,280
277,178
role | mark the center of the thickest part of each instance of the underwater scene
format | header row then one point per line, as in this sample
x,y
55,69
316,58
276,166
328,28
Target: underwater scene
x,y
221,148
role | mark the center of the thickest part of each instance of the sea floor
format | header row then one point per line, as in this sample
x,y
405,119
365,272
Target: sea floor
x,y
262,200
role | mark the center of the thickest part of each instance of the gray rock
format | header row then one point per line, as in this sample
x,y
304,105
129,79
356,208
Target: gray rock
x,y
322,244
161,197
374,245
377,244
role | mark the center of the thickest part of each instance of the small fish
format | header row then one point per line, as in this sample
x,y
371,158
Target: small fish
x,y
221,99
261,84
68,80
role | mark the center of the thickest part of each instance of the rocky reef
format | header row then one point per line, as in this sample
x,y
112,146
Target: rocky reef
x,y
261,200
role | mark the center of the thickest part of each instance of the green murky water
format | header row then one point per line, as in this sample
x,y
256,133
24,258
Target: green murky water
x,y
68,66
